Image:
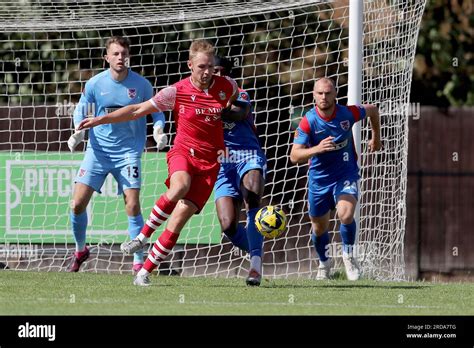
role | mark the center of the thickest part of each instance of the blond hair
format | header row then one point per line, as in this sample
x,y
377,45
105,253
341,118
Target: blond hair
x,y
202,46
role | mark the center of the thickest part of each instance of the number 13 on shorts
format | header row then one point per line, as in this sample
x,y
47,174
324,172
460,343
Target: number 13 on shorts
x,y
133,172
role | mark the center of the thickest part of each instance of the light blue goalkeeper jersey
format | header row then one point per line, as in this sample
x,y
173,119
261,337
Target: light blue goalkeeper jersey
x,y
102,94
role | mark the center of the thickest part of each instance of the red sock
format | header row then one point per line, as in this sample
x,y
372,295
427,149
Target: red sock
x,y
160,250
159,214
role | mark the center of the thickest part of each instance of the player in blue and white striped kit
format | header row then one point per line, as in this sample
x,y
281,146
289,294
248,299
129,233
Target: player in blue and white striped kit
x,y
241,177
112,148
324,137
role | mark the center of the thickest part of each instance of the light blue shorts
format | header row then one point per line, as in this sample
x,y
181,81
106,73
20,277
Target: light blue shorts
x,y
94,170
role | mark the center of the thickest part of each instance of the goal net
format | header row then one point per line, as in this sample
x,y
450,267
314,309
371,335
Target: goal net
x,y
49,50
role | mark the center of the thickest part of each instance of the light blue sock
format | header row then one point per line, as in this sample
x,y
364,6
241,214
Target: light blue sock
x,y
348,233
135,225
320,243
254,237
79,226
239,239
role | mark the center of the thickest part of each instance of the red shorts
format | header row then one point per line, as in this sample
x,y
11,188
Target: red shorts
x,y
203,175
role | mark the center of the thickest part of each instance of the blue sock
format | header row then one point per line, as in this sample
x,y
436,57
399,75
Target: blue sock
x,y
348,233
254,237
79,226
320,243
135,225
239,239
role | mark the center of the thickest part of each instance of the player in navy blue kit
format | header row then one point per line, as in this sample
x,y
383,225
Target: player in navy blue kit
x,y
324,137
112,148
241,177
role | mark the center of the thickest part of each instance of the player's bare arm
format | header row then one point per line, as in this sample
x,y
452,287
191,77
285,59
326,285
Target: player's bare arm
x,y
127,113
301,154
375,144
237,111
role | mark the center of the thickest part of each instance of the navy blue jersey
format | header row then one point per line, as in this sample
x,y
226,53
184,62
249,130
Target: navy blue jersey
x,y
241,135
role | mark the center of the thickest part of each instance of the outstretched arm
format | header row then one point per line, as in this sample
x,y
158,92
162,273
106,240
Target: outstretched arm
x,y
372,111
127,113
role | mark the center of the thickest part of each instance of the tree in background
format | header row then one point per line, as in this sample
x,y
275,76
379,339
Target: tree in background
x,y
444,63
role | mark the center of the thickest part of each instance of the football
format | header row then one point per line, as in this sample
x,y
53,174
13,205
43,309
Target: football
x,y
270,221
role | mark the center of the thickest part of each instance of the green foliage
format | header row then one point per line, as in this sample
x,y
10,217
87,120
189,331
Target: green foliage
x,y
444,64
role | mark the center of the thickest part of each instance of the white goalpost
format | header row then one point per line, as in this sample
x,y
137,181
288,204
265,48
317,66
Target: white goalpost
x,y
49,50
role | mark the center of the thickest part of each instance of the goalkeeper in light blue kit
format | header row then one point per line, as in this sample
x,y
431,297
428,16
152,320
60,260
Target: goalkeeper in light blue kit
x,y
113,148
241,177
324,137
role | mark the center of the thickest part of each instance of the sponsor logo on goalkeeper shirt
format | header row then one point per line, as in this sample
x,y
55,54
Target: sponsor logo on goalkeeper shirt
x,y
37,331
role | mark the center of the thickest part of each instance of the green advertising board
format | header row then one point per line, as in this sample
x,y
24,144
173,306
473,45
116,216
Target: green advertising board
x,y
36,190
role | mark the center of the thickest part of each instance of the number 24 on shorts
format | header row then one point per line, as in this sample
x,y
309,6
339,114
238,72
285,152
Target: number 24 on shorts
x,y
350,187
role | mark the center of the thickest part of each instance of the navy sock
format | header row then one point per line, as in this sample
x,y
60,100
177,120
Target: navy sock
x,y
255,238
239,239
348,233
320,243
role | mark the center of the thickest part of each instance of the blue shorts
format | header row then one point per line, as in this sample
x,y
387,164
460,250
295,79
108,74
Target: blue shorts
x,y
323,199
94,169
232,170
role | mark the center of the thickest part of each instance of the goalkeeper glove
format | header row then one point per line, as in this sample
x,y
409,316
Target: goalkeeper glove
x,y
75,139
160,138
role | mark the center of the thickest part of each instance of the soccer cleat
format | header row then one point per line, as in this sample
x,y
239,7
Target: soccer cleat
x,y
324,269
142,280
254,278
136,268
352,268
78,261
132,246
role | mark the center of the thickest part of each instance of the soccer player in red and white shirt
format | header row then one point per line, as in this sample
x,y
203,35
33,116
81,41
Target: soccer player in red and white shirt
x,y
197,103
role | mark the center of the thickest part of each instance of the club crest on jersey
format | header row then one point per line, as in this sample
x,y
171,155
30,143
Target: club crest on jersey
x,y
132,93
345,125
193,97
243,96
222,95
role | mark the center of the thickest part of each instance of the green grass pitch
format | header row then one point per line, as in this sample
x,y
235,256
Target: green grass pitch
x,y
41,293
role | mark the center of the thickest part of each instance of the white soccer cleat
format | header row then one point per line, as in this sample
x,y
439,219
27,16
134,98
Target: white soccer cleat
x,y
132,246
352,267
142,280
324,270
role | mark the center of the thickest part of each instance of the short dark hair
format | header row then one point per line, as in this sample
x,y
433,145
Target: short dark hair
x,y
120,40
225,63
